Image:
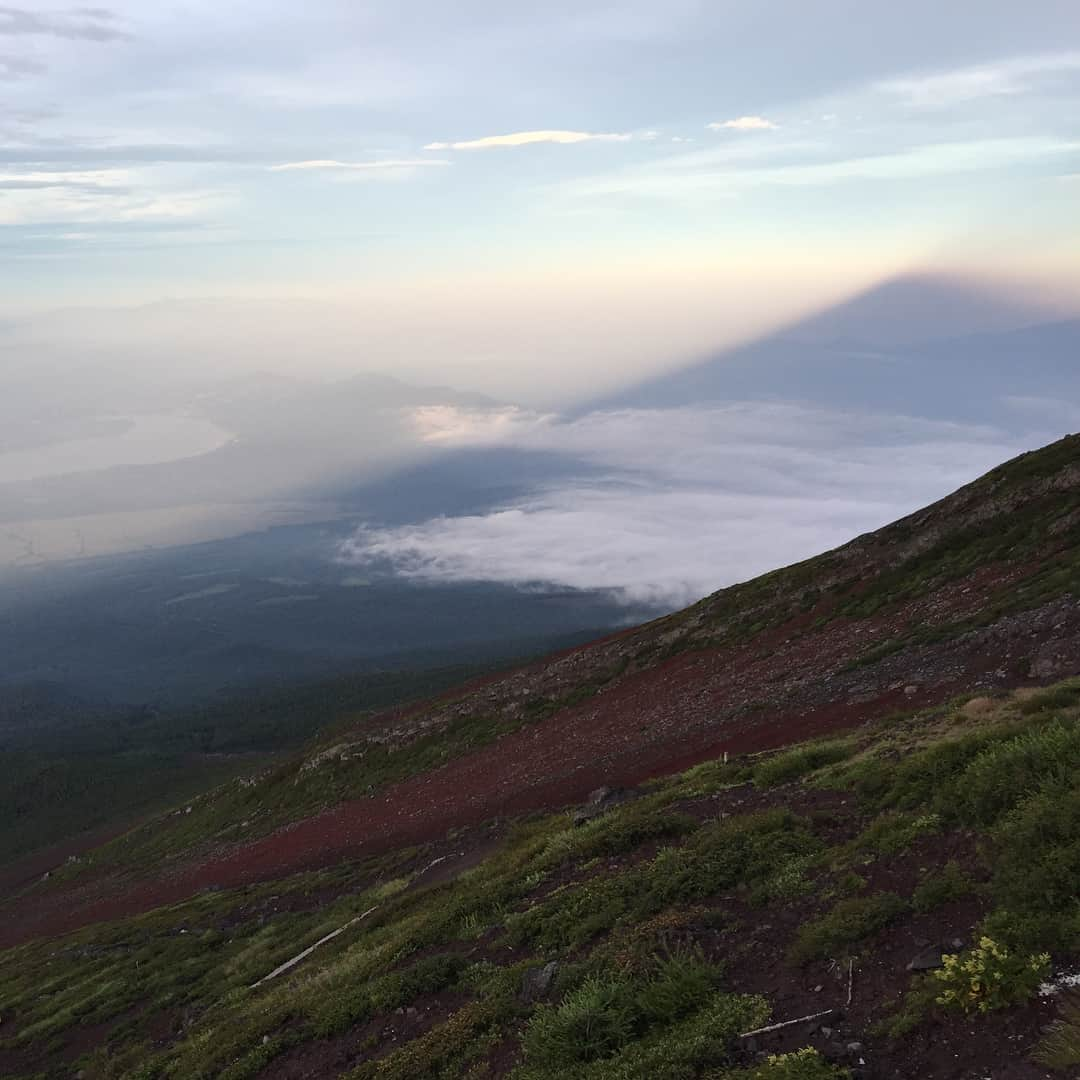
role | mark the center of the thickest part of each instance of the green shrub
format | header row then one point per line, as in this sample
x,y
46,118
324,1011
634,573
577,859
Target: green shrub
x,y
851,920
592,1022
925,778
681,1051
678,986
1036,881
890,834
1005,772
798,762
950,884
743,851
575,914
804,1064
851,883
989,977
1054,699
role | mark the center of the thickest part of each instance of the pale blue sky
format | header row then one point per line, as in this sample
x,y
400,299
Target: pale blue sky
x,y
164,149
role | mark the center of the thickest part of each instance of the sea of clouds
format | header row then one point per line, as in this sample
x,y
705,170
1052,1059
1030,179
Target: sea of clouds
x,y
686,500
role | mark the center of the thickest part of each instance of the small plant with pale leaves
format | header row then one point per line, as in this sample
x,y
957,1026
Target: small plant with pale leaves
x,y
989,977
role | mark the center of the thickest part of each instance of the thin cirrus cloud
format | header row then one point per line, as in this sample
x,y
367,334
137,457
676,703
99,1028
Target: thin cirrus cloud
x,y
330,163
744,123
719,174
85,23
530,138
1010,77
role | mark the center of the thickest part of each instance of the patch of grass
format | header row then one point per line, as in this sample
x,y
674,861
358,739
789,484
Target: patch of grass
x,y
618,830
741,852
852,920
915,1007
889,834
1064,695
949,884
442,1052
799,762
350,1006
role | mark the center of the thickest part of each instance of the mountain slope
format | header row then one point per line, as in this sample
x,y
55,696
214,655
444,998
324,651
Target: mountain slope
x,y
978,590
396,904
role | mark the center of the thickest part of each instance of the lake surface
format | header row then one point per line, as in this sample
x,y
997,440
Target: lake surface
x,y
150,439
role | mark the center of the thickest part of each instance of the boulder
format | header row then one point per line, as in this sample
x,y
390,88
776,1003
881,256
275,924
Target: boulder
x,y
927,960
536,982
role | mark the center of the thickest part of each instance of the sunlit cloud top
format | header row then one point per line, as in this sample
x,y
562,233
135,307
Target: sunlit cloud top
x,y
530,138
743,123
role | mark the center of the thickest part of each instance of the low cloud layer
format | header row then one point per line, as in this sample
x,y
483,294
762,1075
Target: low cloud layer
x,y
687,500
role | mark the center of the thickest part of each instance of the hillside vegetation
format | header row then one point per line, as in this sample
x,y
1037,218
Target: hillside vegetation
x,y
642,941
845,794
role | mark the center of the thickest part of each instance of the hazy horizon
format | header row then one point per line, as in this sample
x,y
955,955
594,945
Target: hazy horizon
x,y
716,232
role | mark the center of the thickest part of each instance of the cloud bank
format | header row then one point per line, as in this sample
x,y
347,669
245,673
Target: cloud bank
x,y
687,500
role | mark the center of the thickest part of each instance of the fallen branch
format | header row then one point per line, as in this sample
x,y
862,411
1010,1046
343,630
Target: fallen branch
x,y
850,972
433,863
786,1024
282,968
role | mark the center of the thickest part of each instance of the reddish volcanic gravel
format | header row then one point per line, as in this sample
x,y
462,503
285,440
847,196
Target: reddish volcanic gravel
x,y
784,685
538,768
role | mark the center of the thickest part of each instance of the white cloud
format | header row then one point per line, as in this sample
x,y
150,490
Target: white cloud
x,y
529,138
102,178
682,502
744,123
56,203
1017,75
321,163
449,425
722,174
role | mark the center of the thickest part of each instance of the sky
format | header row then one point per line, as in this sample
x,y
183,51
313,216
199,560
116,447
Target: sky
x,y
456,153
540,203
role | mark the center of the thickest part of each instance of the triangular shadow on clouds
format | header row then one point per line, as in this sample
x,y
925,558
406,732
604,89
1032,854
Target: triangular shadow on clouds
x,y
919,345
